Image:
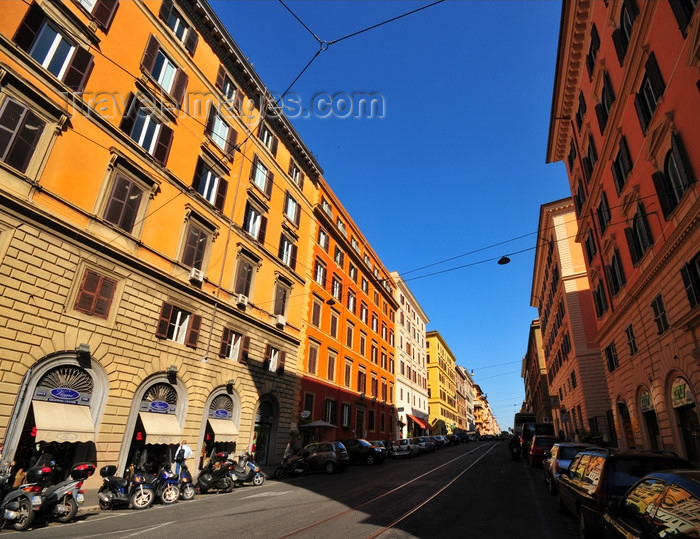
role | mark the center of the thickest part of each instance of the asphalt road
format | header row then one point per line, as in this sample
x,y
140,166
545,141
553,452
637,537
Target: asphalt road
x,y
473,490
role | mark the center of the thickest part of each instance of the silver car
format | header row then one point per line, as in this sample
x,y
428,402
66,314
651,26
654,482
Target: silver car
x,y
558,459
404,447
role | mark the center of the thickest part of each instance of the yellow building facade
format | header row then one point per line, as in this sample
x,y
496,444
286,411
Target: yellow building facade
x,y
442,384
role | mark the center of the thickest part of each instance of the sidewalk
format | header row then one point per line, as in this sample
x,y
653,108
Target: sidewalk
x,y
92,506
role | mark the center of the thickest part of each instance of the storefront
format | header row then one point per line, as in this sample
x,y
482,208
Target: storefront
x,y
220,431
264,433
646,408
684,405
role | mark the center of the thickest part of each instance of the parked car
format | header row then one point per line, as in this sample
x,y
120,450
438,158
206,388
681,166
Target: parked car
x,y
439,440
361,450
425,445
404,447
557,459
323,456
538,446
382,448
454,439
598,476
662,504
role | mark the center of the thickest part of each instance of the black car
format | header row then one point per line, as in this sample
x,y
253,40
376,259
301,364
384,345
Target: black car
x,y
662,504
598,476
360,450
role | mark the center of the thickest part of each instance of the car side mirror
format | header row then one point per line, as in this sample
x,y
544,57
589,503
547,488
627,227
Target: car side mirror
x,y
614,507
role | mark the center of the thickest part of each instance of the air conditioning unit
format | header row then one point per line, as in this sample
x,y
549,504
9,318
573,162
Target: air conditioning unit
x,y
280,321
196,275
241,300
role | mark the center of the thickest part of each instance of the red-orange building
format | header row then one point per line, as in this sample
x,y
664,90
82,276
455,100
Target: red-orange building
x,y
626,120
347,377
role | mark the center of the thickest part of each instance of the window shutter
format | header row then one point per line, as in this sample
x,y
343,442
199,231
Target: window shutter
x,y
268,183
244,349
193,331
587,168
237,101
620,47
221,194
632,244
132,107
679,12
611,283
211,116
297,214
225,342
253,167
625,158
149,54
198,173
266,359
263,228
632,8
280,250
104,298
165,140
104,11
273,146
166,8
88,292
692,284
164,321
660,184
645,224
681,157
281,360
641,112
301,180
191,40
220,77
231,139
78,70
28,30
600,114
293,259
179,86
654,74
28,134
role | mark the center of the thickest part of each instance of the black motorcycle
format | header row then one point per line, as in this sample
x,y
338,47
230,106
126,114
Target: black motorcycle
x,y
120,491
247,471
216,475
165,485
186,485
291,465
60,499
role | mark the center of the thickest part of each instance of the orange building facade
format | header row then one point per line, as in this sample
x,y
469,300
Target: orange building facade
x,y
626,120
348,375
154,238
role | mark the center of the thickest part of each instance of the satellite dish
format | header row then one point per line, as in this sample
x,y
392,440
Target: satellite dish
x,y
305,414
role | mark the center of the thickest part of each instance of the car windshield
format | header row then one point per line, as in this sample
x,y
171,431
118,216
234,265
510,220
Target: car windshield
x,y
568,453
544,442
364,443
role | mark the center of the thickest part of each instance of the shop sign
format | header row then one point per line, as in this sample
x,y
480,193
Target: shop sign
x,y
159,407
221,413
64,395
645,402
681,393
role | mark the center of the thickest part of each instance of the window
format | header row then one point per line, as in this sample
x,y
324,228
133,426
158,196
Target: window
x,y
631,339
361,380
337,288
660,318
233,98
267,138
244,276
254,222
351,301
622,165
683,11
196,243
210,184
330,372
178,325
590,246
220,132
274,359
102,11
607,98
95,294
140,123
330,411
309,402
571,158
42,39
573,379
603,212
312,359
234,346
615,274
383,389
320,273
282,293
581,111
292,209
611,357
652,88
579,197
20,131
363,312
363,343
621,36
677,177
691,279
323,239
175,21
348,373
599,300
349,335
370,420
334,325
296,174
287,252
346,415
592,52
261,177
589,161
163,70
374,353
338,256
365,286
316,312
638,235
375,322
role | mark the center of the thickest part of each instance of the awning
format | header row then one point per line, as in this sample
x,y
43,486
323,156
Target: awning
x,y
58,422
421,423
161,428
224,430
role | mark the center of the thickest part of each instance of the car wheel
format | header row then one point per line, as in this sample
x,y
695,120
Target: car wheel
x,y
330,467
371,459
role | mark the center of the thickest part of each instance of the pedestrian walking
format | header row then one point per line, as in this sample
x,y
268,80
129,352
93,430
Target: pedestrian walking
x,y
182,453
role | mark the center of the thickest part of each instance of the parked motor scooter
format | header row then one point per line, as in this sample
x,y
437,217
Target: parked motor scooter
x,y
247,471
291,465
60,499
165,485
216,474
186,485
17,506
120,491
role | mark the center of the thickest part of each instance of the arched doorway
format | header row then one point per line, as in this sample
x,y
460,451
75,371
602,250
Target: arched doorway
x,y
683,402
627,430
646,407
263,434
220,430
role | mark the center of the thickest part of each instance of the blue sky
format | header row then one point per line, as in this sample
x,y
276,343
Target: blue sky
x,y
453,173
